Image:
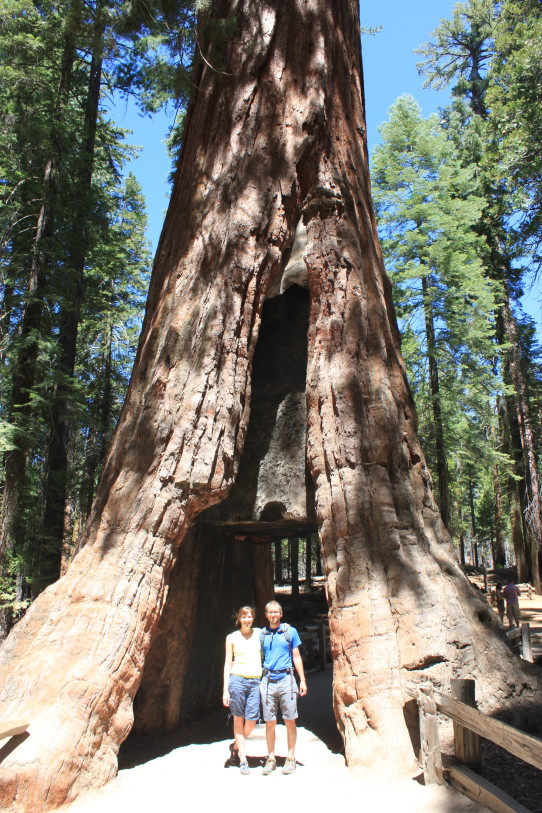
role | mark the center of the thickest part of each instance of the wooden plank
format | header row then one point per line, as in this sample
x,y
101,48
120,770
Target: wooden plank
x,y
526,648
483,791
12,729
466,742
322,644
522,745
308,637
430,754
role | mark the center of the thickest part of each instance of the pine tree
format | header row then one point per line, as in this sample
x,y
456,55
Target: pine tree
x,y
428,205
470,39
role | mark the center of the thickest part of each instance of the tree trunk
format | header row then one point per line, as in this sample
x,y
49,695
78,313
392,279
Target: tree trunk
x,y
293,544
24,377
517,523
278,561
273,166
462,560
308,561
531,480
49,554
521,441
499,554
440,452
473,523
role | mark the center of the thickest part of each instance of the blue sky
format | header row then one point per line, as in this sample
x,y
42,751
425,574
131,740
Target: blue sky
x,y
389,68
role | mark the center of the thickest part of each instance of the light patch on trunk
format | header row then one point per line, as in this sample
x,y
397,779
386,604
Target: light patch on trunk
x,y
296,269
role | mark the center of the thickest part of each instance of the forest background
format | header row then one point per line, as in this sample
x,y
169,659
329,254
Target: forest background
x,y
458,197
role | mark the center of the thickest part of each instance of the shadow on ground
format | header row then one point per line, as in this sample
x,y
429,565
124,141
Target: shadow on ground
x,y
315,714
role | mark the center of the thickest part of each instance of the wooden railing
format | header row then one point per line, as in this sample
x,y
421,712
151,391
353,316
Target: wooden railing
x,y
11,735
469,725
520,641
12,729
309,638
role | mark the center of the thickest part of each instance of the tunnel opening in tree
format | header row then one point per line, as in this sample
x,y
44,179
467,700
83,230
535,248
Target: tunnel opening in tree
x,y
225,560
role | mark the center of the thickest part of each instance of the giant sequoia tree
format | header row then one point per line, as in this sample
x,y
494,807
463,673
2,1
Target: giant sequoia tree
x,y
268,397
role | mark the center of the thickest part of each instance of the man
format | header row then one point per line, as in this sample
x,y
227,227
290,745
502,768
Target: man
x,y
280,649
511,594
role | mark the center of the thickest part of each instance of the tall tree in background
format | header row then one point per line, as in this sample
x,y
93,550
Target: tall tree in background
x,y
270,215
427,205
27,347
513,97
459,52
59,211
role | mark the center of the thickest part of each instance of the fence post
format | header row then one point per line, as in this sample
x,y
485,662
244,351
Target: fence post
x,y
526,648
466,742
322,646
430,756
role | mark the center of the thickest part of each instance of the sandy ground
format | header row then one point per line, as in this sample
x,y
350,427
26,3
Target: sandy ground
x,y
195,776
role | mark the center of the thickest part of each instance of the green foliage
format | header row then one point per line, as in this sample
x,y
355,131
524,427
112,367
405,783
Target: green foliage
x,y
514,100
53,172
428,205
489,53
459,51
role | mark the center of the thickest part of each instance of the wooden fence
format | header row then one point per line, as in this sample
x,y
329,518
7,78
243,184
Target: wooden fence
x,y
11,735
320,636
469,725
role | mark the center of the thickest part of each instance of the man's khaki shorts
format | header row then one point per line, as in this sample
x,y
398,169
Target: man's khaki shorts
x,y
282,692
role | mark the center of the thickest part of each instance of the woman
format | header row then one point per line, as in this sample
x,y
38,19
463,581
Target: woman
x,y
242,674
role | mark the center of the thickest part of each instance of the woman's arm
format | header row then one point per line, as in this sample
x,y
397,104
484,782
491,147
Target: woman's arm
x,y
227,670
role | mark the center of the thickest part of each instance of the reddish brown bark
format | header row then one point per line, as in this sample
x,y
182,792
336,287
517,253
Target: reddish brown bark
x,y
272,142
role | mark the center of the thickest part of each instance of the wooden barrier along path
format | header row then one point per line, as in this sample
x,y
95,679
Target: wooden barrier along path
x,y
469,725
12,734
309,637
12,729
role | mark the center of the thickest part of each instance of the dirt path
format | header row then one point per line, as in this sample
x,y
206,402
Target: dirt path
x,y
531,612
195,775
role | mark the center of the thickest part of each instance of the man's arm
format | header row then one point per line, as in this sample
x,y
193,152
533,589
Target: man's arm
x,y
227,670
298,663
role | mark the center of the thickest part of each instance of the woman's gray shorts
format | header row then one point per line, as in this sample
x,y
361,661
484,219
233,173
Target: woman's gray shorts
x,y
282,692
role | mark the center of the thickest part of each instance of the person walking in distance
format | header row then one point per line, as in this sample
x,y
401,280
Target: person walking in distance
x,y
280,654
242,673
511,594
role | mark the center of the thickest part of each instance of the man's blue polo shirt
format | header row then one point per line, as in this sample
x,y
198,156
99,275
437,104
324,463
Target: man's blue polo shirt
x,y
277,650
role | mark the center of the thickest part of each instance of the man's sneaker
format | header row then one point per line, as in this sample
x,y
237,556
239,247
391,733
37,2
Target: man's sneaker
x,y
270,765
289,766
244,769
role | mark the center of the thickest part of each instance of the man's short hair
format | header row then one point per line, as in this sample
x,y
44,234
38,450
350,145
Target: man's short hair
x,y
272,603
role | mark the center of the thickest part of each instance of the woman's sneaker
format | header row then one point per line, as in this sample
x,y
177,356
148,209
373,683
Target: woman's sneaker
x,y
244,769
234,755
270,765
289,765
